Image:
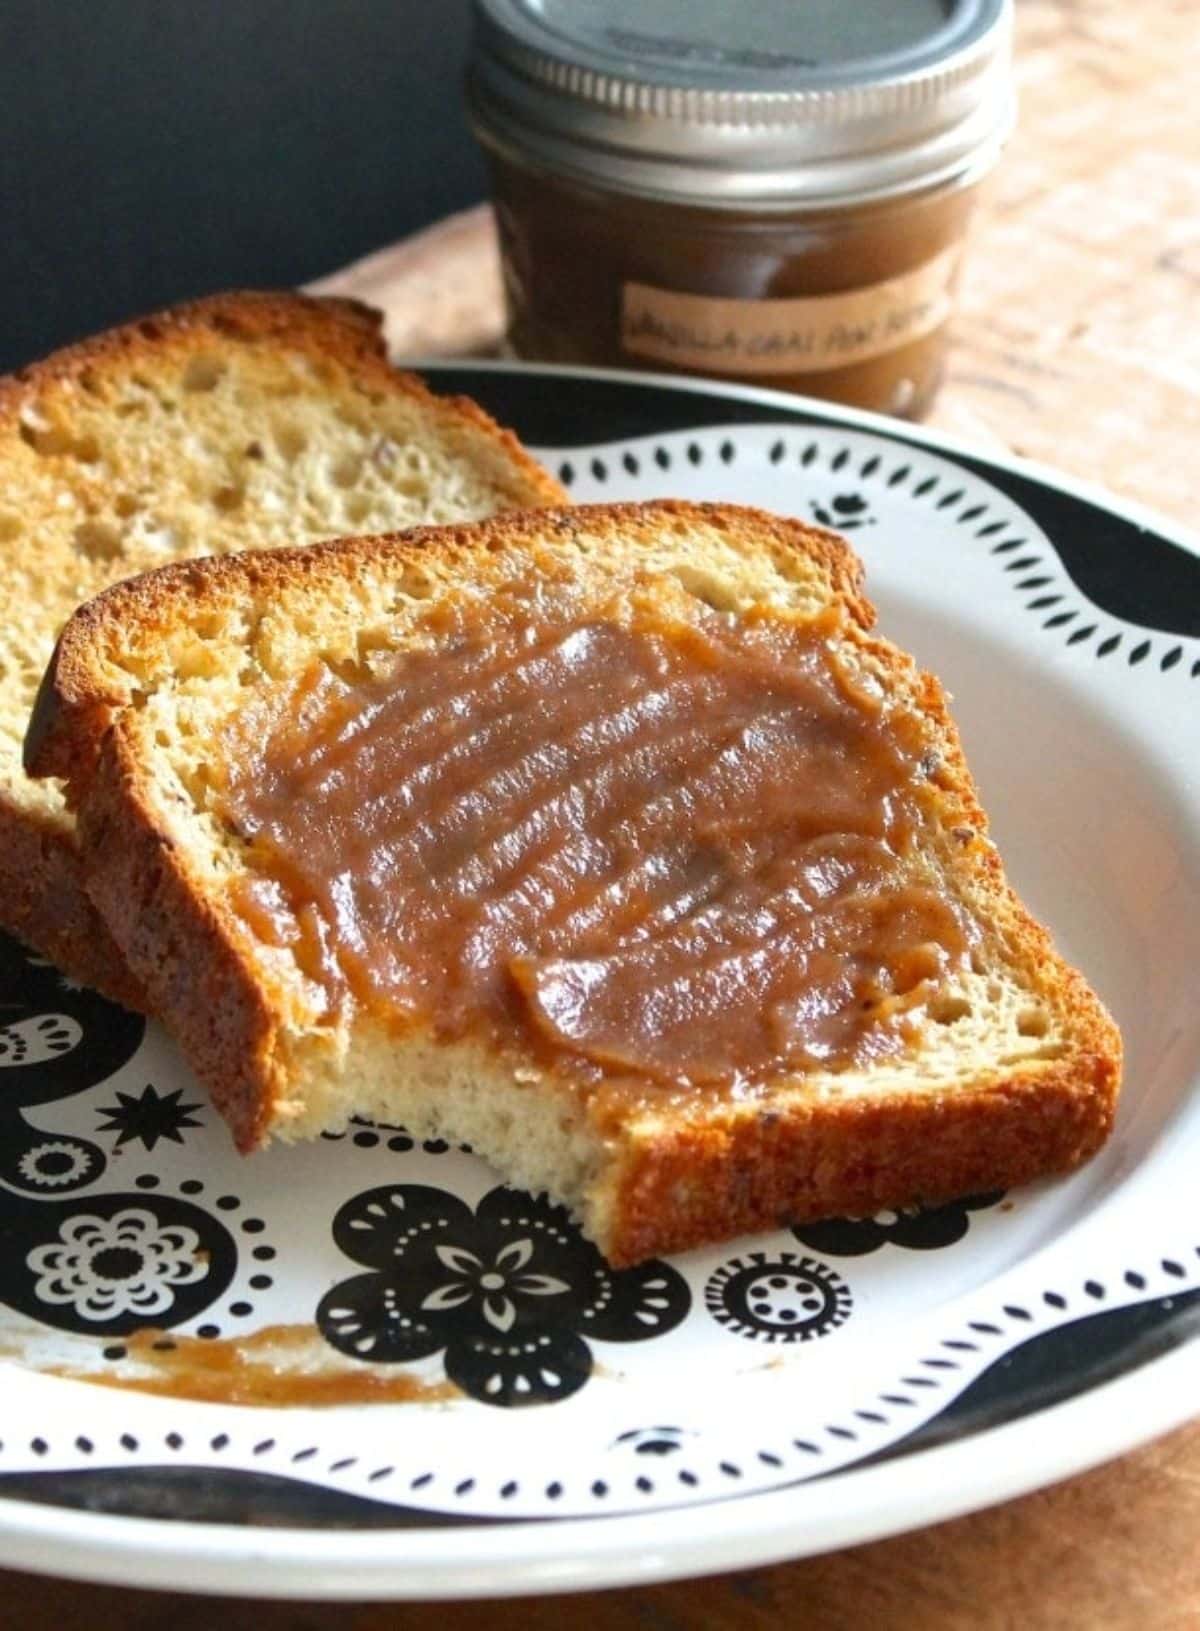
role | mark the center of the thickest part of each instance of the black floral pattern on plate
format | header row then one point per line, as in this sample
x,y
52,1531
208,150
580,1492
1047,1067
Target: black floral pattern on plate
x,y
511,1292
56,1040
56,1163
106,1265
652,1440
783,1298
919,1228
846,511
101,1265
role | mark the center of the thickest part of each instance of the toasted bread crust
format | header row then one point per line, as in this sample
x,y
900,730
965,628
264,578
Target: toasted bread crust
x,y
185,959
44,903
344,330
74,707
754,1169
662,1183
40,901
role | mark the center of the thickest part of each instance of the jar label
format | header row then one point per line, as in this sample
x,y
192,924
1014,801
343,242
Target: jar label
x,y
806,335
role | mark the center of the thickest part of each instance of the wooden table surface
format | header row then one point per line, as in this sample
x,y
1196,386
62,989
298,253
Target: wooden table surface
x,y
1078,344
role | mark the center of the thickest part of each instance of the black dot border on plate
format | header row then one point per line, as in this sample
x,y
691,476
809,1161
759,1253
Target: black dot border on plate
x,y
255,1250
363,1134
976,1345
1080,625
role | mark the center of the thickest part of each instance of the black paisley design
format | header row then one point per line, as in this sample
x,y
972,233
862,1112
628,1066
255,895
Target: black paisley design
x,y
511,1292
56,1039
102,1264
111,1264
919,1228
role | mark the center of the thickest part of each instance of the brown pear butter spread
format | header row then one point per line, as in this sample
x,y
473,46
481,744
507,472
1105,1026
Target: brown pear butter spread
x,y
278,1365
850,304
673,854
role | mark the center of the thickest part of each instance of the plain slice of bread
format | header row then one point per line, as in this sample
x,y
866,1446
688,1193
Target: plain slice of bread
x,y
1014,1075
244,421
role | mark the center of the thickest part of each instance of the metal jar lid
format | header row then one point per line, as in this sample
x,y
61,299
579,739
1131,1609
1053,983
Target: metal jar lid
x,y
745,103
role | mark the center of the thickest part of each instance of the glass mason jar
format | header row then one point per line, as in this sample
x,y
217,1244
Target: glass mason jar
x,y
769,192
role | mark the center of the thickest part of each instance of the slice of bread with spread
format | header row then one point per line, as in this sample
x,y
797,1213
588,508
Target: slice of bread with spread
x,y
243,421
611,841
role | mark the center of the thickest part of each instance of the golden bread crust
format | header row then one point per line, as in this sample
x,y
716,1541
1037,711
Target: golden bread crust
x,y
44,903
345,331
75,704
185,949
753,1169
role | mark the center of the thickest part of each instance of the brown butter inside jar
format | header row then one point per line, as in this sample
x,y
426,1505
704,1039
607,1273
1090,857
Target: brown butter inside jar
x,y
671,196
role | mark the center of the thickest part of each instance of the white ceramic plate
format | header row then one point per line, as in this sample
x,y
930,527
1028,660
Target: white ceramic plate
x,y
773,1397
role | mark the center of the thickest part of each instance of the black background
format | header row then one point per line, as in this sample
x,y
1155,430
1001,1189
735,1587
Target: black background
x,y
155,149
